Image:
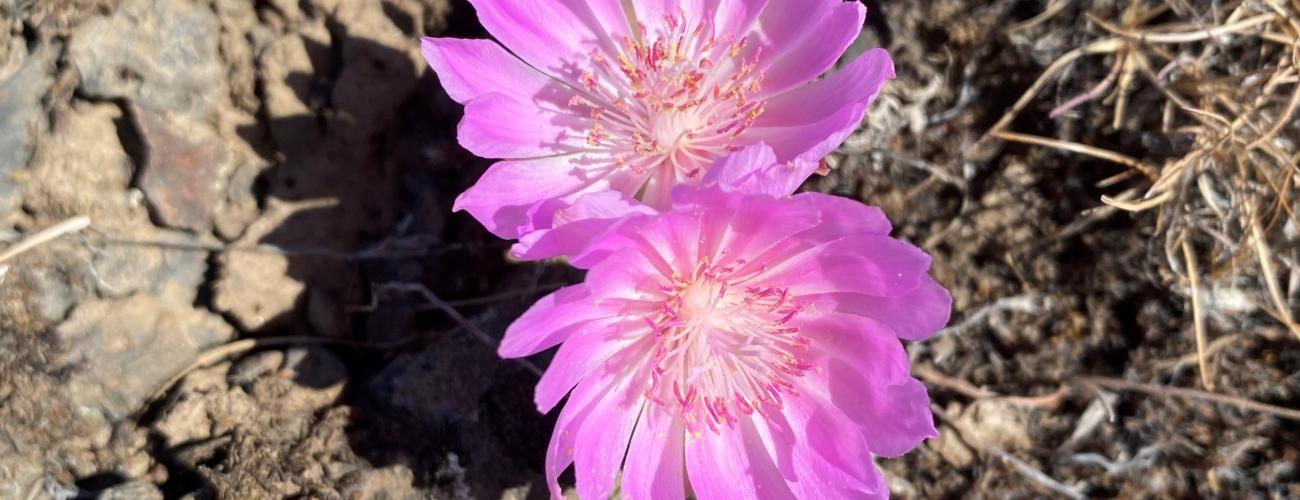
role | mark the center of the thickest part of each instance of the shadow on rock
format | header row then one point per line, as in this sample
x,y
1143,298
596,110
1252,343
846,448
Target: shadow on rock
x,y
359,197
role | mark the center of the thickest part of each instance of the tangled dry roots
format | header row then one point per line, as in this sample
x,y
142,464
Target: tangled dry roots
x,y
1223,205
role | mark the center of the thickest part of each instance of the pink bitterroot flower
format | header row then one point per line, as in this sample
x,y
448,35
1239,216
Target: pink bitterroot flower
x,y
744,342
577,101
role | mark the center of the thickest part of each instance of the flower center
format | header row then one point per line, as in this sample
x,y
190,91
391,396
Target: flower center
x,y
679,101
722,351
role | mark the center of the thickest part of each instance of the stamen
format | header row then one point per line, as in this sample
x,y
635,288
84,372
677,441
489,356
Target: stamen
x,y
728,348
672,97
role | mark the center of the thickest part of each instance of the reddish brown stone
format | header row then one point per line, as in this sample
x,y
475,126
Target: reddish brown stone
x,y
181,175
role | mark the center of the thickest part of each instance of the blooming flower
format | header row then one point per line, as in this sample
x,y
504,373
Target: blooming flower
x,y
743,336
583,102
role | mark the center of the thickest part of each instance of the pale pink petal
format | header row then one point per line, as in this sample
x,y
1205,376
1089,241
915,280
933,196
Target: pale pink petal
x,y
578,224
915,315
550,321
622,265
733,464
593,344
667,247
729,16
471,68
803,38
819,451
746,227
505,198
867,377
755,170
659,187
896,417
843,216
809,122
602,443
552,35
862,263
499,126
654,468
857,82
591,397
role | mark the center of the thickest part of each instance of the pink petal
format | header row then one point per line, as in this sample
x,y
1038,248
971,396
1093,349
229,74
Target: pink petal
x,y
733,464
654,468
729,16
500,126
735,228
471,68
861,263
843,216
590,399
550,321
867,377
663,245
857,82
505,198
659,186
552,35
915,315
578,224
809,122
896,418
602,443
803,38
592,345
820,452
755,170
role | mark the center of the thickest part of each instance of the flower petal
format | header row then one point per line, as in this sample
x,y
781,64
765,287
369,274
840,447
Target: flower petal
x,y
592,345
550,321
915,315
552,35
755,170
602,444
499,126
896,417
506,198
866,376
578,224
592,397
654,468
843,216
733,464
872,264
803,38
809,122
471,68
819,451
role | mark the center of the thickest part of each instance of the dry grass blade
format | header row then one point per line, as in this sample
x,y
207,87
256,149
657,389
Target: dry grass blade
x,y
1198,317
1192,394
1075,147
1105,46
1137,206
1188,36
44,236
1270,278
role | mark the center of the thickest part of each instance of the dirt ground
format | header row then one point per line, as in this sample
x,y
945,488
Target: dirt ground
x,y
269,185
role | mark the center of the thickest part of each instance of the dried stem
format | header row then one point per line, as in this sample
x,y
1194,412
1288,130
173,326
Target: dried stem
x,y
1198,318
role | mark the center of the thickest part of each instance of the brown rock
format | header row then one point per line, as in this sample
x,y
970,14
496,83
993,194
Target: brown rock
x,y
182,175
121,351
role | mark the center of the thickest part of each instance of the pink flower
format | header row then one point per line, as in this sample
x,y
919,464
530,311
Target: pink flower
x,y
744,341
583,104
